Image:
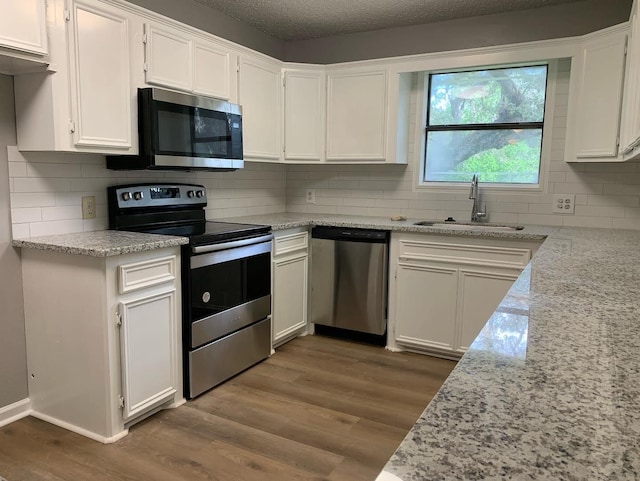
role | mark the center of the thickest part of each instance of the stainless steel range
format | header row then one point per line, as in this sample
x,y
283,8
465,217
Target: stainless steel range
x,y
226,278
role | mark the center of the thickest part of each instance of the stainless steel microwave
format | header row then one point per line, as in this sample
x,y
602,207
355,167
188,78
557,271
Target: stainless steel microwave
x,y
184,132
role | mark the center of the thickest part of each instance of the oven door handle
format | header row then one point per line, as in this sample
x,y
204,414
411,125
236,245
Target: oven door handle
x,y
230,245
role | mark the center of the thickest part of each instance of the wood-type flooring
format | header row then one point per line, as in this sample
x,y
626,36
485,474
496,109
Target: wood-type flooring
x,y
318,409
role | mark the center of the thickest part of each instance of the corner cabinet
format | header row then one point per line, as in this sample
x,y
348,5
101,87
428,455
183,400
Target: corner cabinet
x,y
595,100
304,114
444,289
86,102
103,347
290,284
182,61
259,93
357,115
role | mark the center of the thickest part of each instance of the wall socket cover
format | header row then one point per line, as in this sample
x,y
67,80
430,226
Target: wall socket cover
x,y
311,196
89,207
563,204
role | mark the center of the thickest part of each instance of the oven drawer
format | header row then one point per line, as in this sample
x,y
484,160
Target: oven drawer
x,y
216,362
220,324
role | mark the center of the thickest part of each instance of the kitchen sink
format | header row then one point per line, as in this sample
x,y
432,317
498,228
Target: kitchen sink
x,y
469,226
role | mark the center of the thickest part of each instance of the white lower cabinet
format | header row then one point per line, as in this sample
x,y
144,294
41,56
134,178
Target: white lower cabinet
x,y
290,284
444,289
103,338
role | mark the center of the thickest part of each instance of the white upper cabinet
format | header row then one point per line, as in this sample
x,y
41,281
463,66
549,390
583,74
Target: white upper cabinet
x,y
23,26
630,130
304,115
259,91
212,70
597,74
100,76
87,104
178,60
168,58
357,115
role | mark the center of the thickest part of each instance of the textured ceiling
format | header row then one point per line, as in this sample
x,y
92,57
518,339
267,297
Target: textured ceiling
x,y
304,19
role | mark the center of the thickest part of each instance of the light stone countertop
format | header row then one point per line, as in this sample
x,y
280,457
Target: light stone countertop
x,y
101,243
550,388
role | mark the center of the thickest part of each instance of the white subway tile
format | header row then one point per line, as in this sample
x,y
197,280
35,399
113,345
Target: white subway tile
x,y
40,199
17,169
26,214
35,184
62,212
598,211
56,227
539,219
66,171
613,200
585,221
626,223
20,231
99,223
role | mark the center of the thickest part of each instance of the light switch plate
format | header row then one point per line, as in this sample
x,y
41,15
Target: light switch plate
x,y
563,204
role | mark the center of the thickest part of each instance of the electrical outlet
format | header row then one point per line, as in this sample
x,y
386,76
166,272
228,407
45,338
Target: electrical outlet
x,y
89,207
563,204
311,196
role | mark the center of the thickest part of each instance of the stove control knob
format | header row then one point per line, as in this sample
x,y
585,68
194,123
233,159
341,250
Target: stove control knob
x,y
190,194
200,193
138,195
126,196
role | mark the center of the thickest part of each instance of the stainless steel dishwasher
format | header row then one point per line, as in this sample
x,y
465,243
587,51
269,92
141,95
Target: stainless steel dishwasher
x,y
349,278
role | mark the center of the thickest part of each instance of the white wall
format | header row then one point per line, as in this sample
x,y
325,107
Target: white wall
x,y
47,190
13,357
607,195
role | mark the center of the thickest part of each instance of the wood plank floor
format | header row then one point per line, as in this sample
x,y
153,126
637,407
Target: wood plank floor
x,y
318,409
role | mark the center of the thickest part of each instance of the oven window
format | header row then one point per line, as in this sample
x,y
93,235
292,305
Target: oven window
x,y
192,131
219,287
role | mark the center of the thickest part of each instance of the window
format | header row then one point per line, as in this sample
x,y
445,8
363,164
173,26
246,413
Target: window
x,y
488,122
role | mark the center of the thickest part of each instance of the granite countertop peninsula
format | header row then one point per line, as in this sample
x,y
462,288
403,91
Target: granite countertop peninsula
x,y
550,388
101,243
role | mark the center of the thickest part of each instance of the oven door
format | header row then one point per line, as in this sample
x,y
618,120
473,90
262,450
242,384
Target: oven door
x,y
230,287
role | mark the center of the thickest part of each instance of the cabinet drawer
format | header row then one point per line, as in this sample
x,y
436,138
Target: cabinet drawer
x,y
290,243
510,257
149,273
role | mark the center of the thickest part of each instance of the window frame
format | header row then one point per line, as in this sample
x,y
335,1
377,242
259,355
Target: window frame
x,y
420,132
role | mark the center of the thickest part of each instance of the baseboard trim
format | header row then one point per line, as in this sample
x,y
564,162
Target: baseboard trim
x,y
15,411
79,430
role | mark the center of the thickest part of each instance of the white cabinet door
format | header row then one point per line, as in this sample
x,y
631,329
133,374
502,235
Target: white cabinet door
x,y
23,25
357,115
168,57
100,76
630,128
289,295
479,294
259,93
211,70
148,345
593,124
304,114
425,314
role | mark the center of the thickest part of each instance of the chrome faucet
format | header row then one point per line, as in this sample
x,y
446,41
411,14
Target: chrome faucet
x,y
474,194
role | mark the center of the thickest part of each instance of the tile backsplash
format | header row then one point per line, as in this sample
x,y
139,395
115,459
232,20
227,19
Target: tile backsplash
x,y
46,190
